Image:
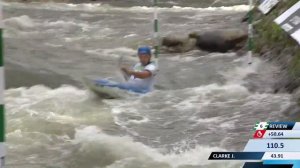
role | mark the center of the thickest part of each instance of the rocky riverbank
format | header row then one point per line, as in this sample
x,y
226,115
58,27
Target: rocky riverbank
x,y
274,44
271,43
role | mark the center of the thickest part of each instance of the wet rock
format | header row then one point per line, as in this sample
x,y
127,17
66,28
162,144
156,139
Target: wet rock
x,y
178,44
214,41
220,41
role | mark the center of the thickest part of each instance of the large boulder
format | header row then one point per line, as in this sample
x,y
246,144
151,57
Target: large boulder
x,y
178,44
220,41
214,41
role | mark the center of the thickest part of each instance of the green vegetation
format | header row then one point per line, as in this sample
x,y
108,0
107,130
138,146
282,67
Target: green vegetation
x,y
270,37
272,40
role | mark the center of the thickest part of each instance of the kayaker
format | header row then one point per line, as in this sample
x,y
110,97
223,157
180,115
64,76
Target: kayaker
x,y
141,76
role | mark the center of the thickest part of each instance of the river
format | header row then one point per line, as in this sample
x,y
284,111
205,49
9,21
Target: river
x,y
204,102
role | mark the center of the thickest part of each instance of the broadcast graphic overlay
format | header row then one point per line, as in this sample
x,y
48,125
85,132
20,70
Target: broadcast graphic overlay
x,y
274,145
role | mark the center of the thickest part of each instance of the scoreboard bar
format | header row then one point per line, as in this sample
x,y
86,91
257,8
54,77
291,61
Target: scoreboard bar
x,y
276,134
281,156
272,145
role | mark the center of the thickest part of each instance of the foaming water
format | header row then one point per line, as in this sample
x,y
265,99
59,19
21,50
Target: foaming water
x,y
129,153
58,101
115,52
94,7
42,119
20,22
213,109
57,122
204,102
178,128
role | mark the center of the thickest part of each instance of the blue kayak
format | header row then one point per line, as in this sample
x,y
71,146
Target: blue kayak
x,y
111,90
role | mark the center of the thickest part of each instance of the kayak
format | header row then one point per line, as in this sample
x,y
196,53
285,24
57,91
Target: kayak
x,y
107,92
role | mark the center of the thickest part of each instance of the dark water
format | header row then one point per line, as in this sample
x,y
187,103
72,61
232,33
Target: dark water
x,y
205,102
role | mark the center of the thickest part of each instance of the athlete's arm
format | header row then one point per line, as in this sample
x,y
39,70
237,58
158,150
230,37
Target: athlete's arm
x,y
141,75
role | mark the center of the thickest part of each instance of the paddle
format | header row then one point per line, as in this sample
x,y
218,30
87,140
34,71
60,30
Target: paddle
x,y
125,76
